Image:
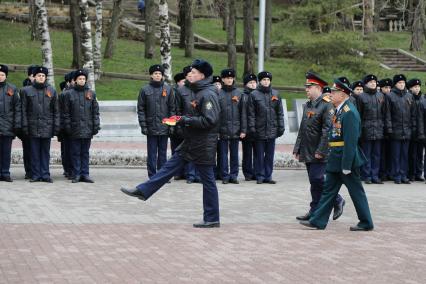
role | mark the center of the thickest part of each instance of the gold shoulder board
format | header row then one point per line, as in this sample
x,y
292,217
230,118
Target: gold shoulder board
x,y
346,108
326,98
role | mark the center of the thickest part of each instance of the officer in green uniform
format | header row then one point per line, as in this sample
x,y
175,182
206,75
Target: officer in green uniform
x,y
344,162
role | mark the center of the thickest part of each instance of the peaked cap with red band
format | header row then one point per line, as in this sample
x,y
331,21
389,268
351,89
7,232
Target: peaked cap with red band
x,y
340,86
314,79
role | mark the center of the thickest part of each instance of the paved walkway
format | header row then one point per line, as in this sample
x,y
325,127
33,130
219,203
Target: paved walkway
x,y
92,233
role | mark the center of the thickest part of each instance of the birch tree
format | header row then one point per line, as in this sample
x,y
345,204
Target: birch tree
x,y
46,44
86,42
97,57
165,42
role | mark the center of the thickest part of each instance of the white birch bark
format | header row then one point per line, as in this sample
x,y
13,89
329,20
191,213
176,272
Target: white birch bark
x,y
97,57
86,42
165,42
46,44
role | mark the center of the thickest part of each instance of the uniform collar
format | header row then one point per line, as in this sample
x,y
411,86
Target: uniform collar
x,y
315,102
339,107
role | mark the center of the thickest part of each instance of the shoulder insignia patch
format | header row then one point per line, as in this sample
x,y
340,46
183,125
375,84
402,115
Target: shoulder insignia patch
x,y
326,98
209,106
331,111
346,108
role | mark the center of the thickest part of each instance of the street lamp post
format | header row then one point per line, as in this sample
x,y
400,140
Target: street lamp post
x,y
261,43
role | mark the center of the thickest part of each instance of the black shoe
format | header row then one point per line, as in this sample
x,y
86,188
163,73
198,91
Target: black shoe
x,y
397,182
248,179
133,192
259,181
87,179
411,179
27,176
419,179
35,179
304,217
189,181
406,181
7,179
270,181
225,181
377,181
368,181
338,210
309,225
204,224
48,180
358,228
178,177
234,181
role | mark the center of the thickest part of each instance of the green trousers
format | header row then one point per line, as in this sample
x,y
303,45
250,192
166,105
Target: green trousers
x,y
332,185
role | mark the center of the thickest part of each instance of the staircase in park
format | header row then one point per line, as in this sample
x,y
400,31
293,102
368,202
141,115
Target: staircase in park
x,y
393,58
132,20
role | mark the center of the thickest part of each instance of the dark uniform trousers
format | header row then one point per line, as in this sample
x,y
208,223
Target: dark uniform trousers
x,y
415,159
399,150
372,150
26,155
40,157
385,171
79,149
66,156
265,150
249,157
316,172
157,153
217,169
5,155
171,168
333,183
174,143
229,167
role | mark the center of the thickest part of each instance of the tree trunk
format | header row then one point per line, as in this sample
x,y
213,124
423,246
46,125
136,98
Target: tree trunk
x,y
268,28
165,42
412,4
46,44
86,42
248,41
97,50
231,34
76,34
33,20
368,17
117,11
151,16
189,33
376,17
417,29
181,22
225,16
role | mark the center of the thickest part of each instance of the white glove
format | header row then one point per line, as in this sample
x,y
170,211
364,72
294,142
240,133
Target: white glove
x,y
346,172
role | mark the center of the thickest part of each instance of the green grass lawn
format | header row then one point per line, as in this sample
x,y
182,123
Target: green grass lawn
x,y
17,48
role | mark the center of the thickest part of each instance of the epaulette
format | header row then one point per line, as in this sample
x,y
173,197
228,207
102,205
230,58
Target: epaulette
x,y
346,108
326,98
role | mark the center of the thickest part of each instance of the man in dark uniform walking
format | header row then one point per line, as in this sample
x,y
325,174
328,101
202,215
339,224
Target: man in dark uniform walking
x,y
372,111
344,162
199,146
311,145
10,121
40,121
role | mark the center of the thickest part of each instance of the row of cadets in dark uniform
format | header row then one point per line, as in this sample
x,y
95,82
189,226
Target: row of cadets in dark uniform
x,y
80,122
199,145
385,171
40,122
311,145
10,121
155,102
185,106
344,162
